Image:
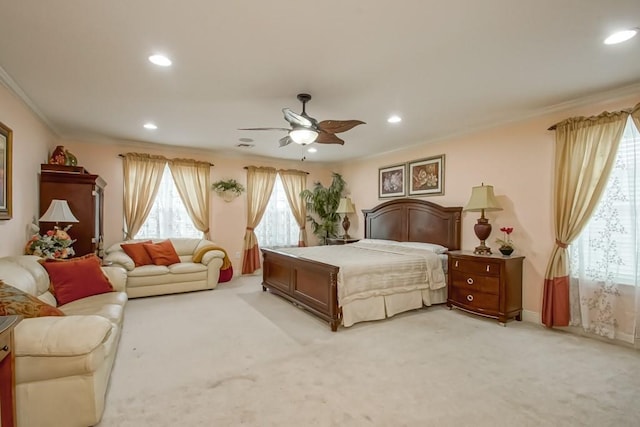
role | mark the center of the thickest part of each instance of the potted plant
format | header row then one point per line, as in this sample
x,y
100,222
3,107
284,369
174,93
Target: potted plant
x,y
322,204
228,189
506,245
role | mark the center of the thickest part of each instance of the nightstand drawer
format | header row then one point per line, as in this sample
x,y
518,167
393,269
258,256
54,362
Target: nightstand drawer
x,y
476,301
475,282
476,266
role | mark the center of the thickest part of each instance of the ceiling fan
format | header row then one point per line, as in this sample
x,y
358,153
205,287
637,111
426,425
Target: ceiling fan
x,y
306,130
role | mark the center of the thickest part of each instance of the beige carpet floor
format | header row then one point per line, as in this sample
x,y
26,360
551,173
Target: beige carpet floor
x,y
237,356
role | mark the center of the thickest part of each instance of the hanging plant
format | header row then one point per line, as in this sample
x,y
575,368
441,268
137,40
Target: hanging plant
x,y
228,189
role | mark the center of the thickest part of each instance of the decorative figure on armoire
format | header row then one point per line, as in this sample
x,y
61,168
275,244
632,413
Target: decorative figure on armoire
x,y
70,159
58,157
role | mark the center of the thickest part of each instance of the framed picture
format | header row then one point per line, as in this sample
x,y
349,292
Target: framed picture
x,y
426,176
5,171
391,181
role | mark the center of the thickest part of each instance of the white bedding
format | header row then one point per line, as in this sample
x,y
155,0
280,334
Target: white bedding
x,y
378,268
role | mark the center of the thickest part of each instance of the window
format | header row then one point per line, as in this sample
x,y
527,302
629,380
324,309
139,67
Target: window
x,y
278,227
607,249
168,216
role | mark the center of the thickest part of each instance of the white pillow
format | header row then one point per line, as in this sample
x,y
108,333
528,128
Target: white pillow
x,y
439,249
378,241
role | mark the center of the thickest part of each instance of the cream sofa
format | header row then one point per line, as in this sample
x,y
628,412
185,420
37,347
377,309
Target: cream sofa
x,y
184,276
63,364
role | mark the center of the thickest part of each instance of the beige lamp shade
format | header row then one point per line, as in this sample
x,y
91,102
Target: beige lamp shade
x,y
345,206
58,211
482,198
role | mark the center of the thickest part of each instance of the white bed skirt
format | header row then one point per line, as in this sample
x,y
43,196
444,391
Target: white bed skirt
x,y
379,307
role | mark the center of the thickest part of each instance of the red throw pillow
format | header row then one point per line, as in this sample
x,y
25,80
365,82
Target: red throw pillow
x,y
76,278
162,253
137,253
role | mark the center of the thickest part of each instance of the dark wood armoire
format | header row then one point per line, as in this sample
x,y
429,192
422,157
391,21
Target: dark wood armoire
x,y
84,193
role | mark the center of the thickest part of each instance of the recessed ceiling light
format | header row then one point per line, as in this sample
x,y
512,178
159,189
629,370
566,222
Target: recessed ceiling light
x,y
312,150
394,119
620,36
150,126
160,60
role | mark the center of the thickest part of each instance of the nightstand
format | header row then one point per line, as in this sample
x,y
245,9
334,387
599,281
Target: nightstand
x,y
340,241
488,285
7,370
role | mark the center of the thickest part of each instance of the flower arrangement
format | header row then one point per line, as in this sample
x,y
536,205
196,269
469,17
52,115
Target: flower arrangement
x,y
506,242
54,244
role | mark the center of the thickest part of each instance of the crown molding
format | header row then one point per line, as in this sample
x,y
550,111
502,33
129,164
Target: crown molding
x,y
605,96
14,87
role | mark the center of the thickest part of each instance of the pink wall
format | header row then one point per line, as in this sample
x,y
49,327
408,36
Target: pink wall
x,y
31,139
518,160
228,219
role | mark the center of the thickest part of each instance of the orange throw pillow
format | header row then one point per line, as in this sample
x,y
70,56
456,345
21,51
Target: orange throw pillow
x,y
76,278
137,253
162,253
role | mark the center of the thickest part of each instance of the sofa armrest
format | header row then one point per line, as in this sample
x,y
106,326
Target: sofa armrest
x,y
211,255
120,258
60,336
117,277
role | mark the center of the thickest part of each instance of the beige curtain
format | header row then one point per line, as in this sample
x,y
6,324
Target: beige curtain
x,y
635,115
294,182
193,180
585,151
142,176
260,183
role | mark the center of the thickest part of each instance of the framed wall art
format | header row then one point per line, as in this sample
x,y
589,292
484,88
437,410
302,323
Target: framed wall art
x,y
6,136
391,181
426,176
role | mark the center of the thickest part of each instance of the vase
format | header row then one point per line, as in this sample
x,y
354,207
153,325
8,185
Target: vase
x,y
506,250
58,156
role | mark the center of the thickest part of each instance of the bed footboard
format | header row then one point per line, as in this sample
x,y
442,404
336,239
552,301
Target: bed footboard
x,y
309,284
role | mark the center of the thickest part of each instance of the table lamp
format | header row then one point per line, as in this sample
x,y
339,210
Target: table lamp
x,y
345,207
482,199
58,211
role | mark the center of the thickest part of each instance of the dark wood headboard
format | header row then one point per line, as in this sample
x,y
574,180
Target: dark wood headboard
x,y
414,220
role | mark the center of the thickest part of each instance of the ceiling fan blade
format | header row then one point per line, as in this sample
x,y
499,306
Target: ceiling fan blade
x,y
285,129
284,141
296,119
328,138
337,126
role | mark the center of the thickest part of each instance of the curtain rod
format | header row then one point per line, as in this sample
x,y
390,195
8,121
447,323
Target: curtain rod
x,y
624,110
247,167
210,164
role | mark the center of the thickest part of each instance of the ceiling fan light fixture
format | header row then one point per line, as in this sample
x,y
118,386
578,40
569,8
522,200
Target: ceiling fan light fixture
x,y
303,136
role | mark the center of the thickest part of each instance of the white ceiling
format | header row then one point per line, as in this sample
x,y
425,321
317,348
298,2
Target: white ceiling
x,y
447,67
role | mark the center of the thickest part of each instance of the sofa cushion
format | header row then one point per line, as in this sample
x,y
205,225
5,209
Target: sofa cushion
x,y
137,253
162,253
14,301
76,278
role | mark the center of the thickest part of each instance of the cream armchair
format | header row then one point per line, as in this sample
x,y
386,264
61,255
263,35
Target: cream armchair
x,y
198,269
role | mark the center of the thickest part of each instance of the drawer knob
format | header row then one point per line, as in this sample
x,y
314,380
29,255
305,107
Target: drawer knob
x,y
470,281
456,263
487,268
5,348
469,298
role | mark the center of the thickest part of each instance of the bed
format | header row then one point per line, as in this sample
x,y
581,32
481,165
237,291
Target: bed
x,y
313,284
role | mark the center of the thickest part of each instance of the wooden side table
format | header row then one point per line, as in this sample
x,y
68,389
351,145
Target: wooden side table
x,y
340,241
7,371
489,285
